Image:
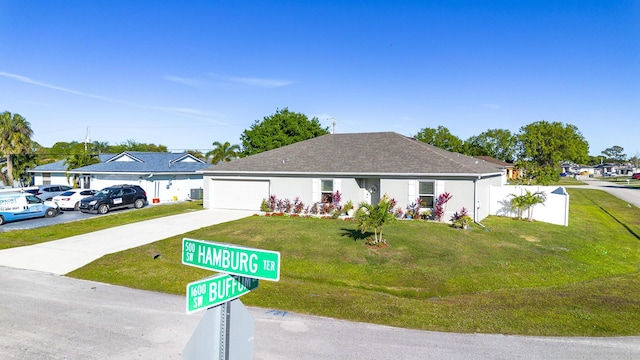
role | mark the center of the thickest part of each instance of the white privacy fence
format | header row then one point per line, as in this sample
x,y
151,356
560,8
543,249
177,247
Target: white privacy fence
x,y
555,209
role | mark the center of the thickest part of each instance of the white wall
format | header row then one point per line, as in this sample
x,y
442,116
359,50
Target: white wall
x,y
404,191
555,210
162,187
54,179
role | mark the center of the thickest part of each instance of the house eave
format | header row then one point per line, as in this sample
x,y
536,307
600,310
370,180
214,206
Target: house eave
x,y
351,174
135,172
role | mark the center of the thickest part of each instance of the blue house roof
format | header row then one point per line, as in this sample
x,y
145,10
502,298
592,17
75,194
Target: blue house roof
x,y
61,165
133,162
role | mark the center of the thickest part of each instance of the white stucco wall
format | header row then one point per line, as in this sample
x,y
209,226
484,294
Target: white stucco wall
x,y
54,179
404,191
162,187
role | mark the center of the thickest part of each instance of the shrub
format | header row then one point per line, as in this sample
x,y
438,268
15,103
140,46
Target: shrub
x,y
440,205
264,207
461,219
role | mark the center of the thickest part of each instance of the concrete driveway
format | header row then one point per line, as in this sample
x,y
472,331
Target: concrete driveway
x,y
63,256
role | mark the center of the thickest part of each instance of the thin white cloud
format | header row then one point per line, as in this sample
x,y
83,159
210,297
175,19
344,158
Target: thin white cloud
x,y
27,80
256,82
196,83
194,113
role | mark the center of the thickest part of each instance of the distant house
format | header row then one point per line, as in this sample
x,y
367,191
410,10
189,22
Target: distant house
x,y
362,167
164,176
57,173
510,171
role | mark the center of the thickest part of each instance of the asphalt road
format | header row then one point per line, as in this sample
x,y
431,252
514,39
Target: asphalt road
x,y
45,316
630,195
64,216
48,316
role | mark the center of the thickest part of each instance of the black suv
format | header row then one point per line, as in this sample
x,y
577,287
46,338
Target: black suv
x,y
114,197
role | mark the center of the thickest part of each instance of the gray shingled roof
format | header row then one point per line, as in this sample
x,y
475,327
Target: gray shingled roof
x,y
146,162
358,154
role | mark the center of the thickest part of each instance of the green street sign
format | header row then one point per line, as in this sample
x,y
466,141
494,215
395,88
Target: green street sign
x,y
232,259
215,290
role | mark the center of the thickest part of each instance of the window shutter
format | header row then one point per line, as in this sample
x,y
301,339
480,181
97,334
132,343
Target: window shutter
x,y
315,191
439,188
412,195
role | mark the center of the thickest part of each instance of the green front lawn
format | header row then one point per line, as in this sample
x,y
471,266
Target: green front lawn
x,y
514,277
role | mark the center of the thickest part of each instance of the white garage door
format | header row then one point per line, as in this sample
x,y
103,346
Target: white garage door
x,y
238,194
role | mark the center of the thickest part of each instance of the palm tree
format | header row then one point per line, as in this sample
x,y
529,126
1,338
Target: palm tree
x,y
77,160
533,199
527,202
374,217
223,152
15,138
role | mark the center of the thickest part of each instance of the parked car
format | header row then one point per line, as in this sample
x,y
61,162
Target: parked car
x,y
47,192
71,199
17,206
636,176
114,197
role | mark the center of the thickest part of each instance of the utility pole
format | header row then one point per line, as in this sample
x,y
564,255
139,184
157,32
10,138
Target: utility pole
x,y
334,125
86,139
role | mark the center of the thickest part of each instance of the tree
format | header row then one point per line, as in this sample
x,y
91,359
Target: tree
x,y
196,153
223,152
15,139
547,144
282,128
526,202
615,154
497,143
440,137
132,145
79,159
374,217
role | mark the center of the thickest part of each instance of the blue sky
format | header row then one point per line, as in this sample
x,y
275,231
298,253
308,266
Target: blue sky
x,y
186,74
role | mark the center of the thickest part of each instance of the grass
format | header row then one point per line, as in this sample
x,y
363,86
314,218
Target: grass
x,y
569,180
16,238
622,181
514,278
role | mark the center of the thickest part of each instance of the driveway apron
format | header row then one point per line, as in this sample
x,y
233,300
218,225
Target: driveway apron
x,y
63,256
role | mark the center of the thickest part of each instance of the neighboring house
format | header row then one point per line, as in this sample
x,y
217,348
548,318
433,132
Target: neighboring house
x,y
510,171
606,168
56,173
362,166
164,176
570,168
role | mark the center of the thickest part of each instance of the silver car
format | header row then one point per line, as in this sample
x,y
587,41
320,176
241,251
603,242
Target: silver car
x,y
47,192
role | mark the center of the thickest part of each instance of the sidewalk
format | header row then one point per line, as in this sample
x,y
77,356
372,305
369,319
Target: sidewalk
x,y
65,255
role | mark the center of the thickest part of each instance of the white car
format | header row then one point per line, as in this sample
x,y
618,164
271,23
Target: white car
x,y
70,199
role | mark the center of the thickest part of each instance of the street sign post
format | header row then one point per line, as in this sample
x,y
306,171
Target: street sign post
x,y
215,290
232,259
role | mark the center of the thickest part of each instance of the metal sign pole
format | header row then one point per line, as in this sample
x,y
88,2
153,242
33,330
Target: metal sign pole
x,y
225,327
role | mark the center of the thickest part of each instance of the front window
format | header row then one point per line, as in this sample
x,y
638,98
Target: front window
x,y
33,200
326,191
426,193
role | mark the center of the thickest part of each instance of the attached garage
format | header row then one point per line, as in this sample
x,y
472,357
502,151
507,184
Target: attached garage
x,y
237,194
